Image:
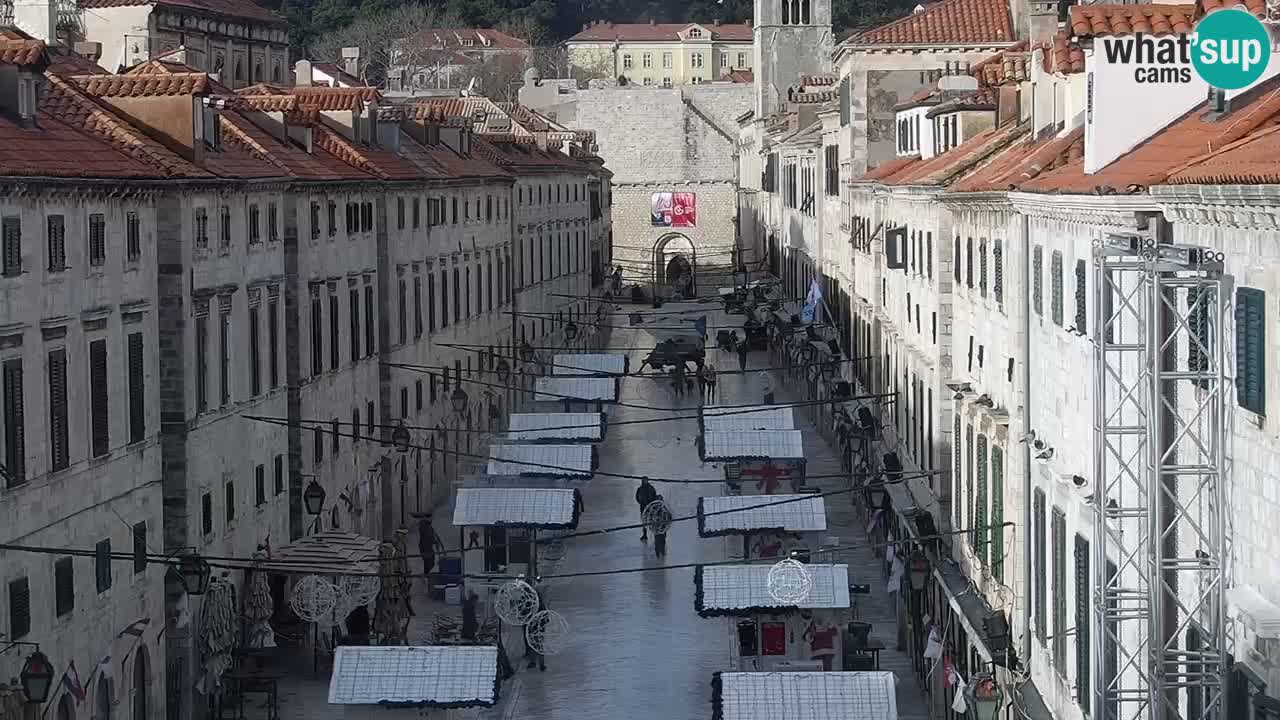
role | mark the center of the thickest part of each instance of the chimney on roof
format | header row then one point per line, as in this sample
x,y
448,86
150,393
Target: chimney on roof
x,y
716,22
964,83
1007,109
351,60
88,50
302,76
38,18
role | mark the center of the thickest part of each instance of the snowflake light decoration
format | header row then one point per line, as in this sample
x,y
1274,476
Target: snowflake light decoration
x,y
790,581
547,632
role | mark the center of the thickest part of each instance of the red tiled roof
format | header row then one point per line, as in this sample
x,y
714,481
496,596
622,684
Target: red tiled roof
x,y
1257,7
22,51
657,32
1157,19
56,149
451,38
982,99
331,99
435,113
742,76
950,22
817,80
244,9
1188,138
68,63
946,167
1063,55
1249,161
1009,66
1023,161
268,103
153,85
886,169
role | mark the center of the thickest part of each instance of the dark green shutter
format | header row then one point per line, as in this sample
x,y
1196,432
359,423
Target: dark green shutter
x,y
1060,591
997,514
99,428
64,589
15,446
968,486
1037,280
102,565
139,547
981,533
1251,345
1038,548
19,608
1082,304
58,449
1084,606
1055,280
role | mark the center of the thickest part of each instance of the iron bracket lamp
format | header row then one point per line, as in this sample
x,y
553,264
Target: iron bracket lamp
x,y
36,677
400,437
919,571
526,351
985,698
194,573
504,370
459,400
313,497
571,331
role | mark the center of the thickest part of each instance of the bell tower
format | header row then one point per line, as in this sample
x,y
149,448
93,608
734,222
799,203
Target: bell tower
x,y
791,38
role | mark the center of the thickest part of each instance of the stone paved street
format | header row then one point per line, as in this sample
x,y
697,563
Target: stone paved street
x,y
638,646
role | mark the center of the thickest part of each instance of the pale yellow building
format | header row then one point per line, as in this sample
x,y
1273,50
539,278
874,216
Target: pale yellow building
x,y
663,55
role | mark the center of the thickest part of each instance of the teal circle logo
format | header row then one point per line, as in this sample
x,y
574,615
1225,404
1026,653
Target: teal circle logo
x,y
1231,49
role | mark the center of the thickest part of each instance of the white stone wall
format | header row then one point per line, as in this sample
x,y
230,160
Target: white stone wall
x,y
94,499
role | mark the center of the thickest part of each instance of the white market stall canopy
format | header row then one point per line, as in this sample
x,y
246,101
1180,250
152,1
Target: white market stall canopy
x,y
740,590
579,389
590,364
534,427
576,461
433,675
763,417
736,514
804,696
766,444
326,553
514,507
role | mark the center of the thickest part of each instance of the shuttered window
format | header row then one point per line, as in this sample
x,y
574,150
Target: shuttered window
x,y
981,533
968,263
1251,349
1060,591
259,485
59,452
1055,280
97,239
202,360
317,435
369,326
273,344
457,288
224,344
997,513
1083,608
417,306
353,297
277,474
133,236
334,353
957,473
1038,562
11,250
369,420
56,240
1037,280
1199,301
997,270
137,389
255,352
139,548
968,485
1082,305
102,565
431,301
317,335
955,260
206,513
98,410
19,608
14,419
229,495
64,587
982,267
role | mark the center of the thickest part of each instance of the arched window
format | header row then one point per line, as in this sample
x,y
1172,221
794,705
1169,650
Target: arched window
x,y
786,12
804,11
239,76
141,676
275,72
257,72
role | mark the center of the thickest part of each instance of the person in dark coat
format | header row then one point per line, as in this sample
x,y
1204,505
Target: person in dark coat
x,y
428,544
660,538
469,623
645,494
533,656
578,505
742,354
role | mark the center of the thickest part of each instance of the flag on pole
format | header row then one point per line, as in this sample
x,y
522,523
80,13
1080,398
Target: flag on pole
x,y
811,303
71,681
136,628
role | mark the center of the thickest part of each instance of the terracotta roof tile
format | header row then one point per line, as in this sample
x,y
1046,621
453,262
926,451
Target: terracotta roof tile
x,y
1156,19
246,9
950,22
817,80
331,99
22,52
983,99
814,97
1249,161
1188,138
56,149
142,85
436,114
268,103
1023,161
1063,55
655,32
946,167
63,100
1009,66
1257,7
68,63
742,76
887,169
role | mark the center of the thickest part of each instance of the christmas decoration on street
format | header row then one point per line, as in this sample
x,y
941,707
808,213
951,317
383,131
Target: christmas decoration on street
x,y
790,581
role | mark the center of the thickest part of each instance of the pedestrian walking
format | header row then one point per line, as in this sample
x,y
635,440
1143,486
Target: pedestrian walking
x,y
505,671
766,387
645,494
533,656
677,378
708,379
660,534
470,625
742,354
578,505
428,544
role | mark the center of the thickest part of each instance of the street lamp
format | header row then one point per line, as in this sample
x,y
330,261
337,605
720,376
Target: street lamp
x,y
526,351
459,400
571,331
876,496
984,697
919,571
313,498
36,677
400,437
194,573
504,370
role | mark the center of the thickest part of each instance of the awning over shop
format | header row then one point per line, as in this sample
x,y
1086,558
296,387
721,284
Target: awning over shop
x,y
804,695
439,676
575,461
588,364
741,590
326,553
580,389
514,507
763,417
763,444
737,514
535,427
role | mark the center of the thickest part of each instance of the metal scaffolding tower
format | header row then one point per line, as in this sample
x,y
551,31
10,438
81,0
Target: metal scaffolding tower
x,y
1160,543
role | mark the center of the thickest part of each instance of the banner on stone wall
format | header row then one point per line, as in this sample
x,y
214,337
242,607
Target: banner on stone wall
x,y
674,209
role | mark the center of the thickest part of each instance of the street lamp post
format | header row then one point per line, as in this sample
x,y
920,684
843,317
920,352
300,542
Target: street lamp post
x,y
36,677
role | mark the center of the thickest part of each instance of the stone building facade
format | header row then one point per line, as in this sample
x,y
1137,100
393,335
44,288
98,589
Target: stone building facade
x,y
662,54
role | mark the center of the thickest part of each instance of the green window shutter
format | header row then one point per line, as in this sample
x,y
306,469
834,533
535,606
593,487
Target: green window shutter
x,y
1037,268
968,487
997,513
957,472
1084,605
1251,341
1055,278
1060,591
980,516
1038,547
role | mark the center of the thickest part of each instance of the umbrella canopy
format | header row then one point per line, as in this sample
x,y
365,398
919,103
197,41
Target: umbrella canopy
x,y
217,633
389,620
258,606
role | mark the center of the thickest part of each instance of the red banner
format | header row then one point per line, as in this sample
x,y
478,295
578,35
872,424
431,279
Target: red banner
x,y
684,209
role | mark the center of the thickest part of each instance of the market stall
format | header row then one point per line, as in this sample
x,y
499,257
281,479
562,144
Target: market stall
x,y
576,462
765,526
587,393
714,418
771,635
808,695
498,529
556,427
756,461
400,681
591,365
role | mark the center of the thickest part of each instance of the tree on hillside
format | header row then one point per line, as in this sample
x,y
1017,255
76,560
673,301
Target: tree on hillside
x,y
387,38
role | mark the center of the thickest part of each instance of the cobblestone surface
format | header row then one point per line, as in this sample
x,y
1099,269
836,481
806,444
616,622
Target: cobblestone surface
x,y
639,649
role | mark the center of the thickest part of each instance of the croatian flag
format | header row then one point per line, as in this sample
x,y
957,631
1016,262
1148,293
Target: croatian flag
x,y
71,681
811,303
